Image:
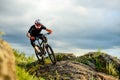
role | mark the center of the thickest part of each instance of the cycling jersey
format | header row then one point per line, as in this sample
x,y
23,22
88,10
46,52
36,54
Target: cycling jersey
x,y
35,32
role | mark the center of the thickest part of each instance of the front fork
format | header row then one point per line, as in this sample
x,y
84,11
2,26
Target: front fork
x,y
44,47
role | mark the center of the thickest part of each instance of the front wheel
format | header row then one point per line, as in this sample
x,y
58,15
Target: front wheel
x,y
51,54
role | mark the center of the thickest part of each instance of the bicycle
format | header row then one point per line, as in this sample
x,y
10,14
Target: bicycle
x,y
44,48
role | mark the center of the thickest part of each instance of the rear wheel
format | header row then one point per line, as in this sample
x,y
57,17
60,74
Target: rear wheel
x,y
40,55
51,54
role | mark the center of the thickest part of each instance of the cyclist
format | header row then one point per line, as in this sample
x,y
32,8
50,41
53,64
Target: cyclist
x,y
35,31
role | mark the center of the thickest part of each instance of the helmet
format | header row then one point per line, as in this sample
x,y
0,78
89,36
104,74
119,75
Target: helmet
x,y
37,22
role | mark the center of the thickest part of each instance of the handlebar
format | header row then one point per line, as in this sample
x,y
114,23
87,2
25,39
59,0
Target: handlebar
x,y
46,34
43,35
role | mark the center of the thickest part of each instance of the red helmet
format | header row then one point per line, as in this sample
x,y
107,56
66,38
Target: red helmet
x,y
37,22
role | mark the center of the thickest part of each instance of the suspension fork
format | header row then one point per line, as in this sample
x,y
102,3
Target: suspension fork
x,y
44,47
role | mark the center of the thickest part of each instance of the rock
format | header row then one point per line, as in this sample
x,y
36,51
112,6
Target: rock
x,y
7,62
70,70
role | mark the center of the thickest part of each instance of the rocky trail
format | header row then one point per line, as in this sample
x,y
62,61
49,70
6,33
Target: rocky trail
x,y
69,70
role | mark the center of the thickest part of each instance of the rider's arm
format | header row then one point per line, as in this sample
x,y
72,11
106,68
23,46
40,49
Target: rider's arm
x,y
29,31
28,35
49,30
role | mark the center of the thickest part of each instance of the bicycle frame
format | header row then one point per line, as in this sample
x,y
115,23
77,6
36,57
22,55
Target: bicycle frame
x,y
45,48
43,43
40,43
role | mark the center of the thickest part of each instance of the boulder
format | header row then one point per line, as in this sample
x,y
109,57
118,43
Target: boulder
x,y
7,62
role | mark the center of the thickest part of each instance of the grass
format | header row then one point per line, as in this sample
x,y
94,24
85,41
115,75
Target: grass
x,y
110,68
21,57
57,75
92,77
98,53
23,75
64,56
22,64
100,63
60,57
27,66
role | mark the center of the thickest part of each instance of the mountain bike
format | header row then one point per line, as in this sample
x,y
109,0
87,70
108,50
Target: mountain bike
x,y
44,49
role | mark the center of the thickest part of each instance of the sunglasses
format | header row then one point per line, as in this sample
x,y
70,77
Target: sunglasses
x,y
37,24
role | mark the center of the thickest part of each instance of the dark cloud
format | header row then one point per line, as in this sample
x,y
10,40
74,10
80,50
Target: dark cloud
x,y
17,38
92,37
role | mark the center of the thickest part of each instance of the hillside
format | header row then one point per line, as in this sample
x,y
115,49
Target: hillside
x,y
91,66
70,68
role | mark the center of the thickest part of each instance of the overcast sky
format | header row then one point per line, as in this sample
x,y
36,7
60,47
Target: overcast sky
x,y
79,26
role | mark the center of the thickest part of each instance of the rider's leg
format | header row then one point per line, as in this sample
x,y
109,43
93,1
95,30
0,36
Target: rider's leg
x,y
36,49
34,46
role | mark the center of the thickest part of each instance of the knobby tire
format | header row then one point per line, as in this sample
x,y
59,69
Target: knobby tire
x,y
51,54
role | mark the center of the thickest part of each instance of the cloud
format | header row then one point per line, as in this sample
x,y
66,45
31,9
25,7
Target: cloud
x,y
104,4
78,24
